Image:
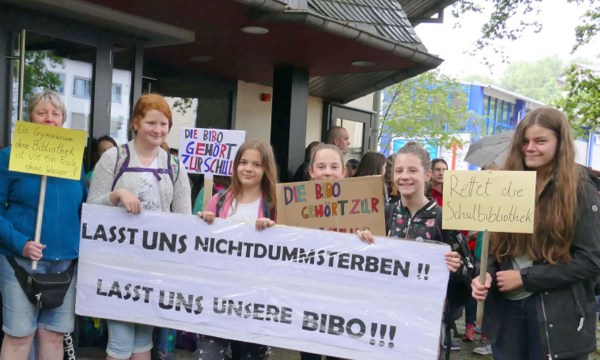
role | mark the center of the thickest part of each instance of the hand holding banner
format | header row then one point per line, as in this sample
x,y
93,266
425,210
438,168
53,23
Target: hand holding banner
x,y
302,289
47,151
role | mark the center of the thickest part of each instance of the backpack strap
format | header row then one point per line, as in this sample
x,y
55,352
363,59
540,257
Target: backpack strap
x,y
266,208
221,195
120,166
173,165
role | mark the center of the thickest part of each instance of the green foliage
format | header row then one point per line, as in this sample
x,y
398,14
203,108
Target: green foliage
x,y
497,27
430,106
537,80
500,27
582,100
589,28
37,73
182,105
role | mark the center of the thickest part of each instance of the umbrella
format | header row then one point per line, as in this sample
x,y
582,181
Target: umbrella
x,y
489,149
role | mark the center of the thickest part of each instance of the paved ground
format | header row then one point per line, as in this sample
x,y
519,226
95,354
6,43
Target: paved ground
x,y
282,354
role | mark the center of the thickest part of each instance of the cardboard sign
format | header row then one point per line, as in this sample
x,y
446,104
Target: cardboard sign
x,y
209,151
496,201
344,205
302,289
47,150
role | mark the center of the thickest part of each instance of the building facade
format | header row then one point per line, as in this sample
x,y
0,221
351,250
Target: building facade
x,y
283,70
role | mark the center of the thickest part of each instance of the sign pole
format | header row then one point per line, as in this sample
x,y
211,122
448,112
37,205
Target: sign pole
x,y
40,214
485,245
208,186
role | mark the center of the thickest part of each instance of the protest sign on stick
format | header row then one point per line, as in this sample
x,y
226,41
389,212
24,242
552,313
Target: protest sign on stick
x,y
489,201
47,151
344,205
302,289
209,152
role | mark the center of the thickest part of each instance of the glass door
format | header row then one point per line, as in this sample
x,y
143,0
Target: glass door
x,y
41,62
358,123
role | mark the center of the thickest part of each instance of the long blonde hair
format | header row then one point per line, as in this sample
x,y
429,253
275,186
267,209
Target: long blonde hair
x,y
556,203
269,179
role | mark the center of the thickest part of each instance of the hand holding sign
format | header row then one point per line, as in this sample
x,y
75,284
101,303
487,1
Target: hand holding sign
x,y
501,201
286,287
47,151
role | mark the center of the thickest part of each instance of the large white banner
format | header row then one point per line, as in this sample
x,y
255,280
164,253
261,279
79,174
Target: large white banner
x,y
303,289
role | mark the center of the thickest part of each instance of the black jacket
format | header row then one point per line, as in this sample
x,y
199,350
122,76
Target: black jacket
x,y
564,292
425,225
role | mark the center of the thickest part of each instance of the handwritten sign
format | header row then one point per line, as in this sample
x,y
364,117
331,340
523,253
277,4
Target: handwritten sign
x,y
344,205
47,150
498,201
209,151
302,289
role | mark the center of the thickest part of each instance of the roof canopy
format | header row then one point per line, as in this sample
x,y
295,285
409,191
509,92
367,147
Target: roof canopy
x,y
350,48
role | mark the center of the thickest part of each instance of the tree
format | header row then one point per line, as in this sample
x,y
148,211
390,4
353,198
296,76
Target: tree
x,y
182,105
589,28
582,100
430,106
537,80
582,86
499,27
37,71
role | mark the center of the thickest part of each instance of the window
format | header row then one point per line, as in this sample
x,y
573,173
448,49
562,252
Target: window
x,y
82,88
60,88
79,121
116,93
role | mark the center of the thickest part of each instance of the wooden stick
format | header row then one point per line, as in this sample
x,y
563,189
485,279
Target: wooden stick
x,y
485,245
40,215
208,186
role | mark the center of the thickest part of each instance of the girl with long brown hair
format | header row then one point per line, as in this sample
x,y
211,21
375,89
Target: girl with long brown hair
x,y
539,287
251,197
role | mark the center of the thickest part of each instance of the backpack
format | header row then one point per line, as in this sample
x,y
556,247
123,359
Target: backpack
x,y
122,165
221,195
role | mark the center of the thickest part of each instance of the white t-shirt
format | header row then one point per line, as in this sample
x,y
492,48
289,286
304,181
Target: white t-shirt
x,y
244,212
518,263
149,194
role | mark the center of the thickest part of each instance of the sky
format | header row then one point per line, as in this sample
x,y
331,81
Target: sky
x,y
557,38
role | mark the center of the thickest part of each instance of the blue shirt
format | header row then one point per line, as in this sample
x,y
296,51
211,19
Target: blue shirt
x,y
19,196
